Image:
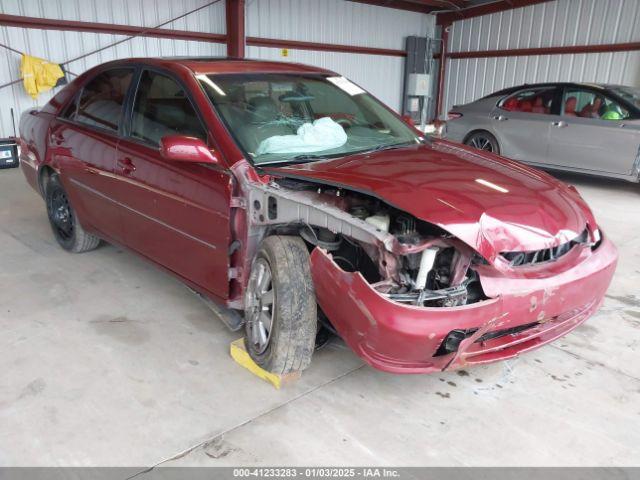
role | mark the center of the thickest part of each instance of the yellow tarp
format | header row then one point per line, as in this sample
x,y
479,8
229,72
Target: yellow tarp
x,y
39,75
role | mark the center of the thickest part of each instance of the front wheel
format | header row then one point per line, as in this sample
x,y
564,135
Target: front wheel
x,y
64,221
281,313
483,141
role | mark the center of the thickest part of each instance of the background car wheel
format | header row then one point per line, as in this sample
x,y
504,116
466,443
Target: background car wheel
x,y
64,221
281,314
483,141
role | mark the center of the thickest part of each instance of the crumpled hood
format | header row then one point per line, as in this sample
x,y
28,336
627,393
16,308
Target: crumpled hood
x,y
491,203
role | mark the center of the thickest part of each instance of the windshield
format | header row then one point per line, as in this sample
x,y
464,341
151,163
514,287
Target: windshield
x,y
280,118
630,94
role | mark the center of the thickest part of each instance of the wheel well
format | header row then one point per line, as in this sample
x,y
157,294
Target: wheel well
x,y
477,130
43,177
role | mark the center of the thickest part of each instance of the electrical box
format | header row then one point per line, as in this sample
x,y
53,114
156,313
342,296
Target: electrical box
x,y
419,85
8,153
413,104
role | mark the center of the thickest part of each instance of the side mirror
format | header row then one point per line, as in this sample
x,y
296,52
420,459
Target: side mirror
x,y
180,148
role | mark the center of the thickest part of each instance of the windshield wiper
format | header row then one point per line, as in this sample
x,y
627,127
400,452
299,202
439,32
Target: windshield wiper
x,y
389,146
309,157
303,158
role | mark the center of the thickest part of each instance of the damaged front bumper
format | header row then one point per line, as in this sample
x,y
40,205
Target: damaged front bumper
x,y
526,314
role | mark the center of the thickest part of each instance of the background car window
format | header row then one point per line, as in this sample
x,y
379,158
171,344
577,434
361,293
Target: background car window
x,y
630,94
535,100
162,108
101,100
584,103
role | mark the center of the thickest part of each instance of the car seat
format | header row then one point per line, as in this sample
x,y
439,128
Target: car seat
x,y
570,106
538,106
526,106
263,122
511,104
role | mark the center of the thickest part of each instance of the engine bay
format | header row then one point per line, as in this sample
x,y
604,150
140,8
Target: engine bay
x,y
430,269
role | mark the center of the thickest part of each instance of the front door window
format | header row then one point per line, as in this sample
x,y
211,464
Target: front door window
x,y
584,103
163,108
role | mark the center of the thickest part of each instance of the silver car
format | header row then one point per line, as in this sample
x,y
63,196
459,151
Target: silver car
x,y
587,128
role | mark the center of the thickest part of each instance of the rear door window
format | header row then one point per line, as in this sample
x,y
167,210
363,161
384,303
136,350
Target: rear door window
x,y
161,107
533,100
101,100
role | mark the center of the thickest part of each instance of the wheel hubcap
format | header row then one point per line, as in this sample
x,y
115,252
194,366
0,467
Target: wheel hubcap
x,y
260,308
482,143
60,214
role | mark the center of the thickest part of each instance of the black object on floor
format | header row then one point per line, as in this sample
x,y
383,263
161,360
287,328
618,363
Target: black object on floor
x,y
8,153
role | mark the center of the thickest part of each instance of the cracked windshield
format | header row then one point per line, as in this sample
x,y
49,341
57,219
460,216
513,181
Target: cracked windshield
x,y
284,118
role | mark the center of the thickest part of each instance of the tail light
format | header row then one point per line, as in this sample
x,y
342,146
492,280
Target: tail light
x,y
453,115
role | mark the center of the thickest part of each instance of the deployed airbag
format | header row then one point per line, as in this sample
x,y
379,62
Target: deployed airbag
x,y
322,134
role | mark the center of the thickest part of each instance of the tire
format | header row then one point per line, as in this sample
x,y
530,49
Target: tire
x,y
64,221
281,326
483,140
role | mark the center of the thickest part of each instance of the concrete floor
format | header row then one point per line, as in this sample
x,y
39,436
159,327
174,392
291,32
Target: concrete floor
x,y
106,360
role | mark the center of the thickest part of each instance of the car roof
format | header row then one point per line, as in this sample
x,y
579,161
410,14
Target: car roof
x,y
605,87
221,65
507,91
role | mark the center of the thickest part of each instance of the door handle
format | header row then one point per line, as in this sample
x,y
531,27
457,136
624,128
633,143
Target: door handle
x,y
559,124
500,118
126,165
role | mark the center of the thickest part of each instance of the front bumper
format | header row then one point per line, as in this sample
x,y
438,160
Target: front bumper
x,y
404,339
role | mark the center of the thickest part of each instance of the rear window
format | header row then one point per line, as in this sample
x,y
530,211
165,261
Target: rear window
x,y
533,100
100,101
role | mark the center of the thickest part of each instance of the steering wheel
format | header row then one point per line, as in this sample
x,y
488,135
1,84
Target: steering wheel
x,y
344,122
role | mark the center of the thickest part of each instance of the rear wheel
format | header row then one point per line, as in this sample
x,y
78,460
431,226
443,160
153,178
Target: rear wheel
x,y
63,219
483,141
281,313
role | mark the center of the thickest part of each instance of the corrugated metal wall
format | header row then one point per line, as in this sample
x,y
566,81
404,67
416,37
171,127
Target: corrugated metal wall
x,y
558,23
59,46
341,22
323,21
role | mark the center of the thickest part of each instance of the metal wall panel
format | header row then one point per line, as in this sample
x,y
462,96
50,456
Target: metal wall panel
x,y
550,24
59,46
340,22
325,21
335,21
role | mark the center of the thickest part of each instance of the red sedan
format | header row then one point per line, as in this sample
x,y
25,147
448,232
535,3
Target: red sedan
x,y
294,202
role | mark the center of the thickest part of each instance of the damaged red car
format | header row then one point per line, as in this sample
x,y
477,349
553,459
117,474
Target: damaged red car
x,y
294,202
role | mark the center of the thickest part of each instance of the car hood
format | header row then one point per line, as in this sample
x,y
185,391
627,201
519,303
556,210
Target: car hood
x,y
491,203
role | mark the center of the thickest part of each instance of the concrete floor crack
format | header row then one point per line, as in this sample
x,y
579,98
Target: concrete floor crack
x,y
585,359
217,436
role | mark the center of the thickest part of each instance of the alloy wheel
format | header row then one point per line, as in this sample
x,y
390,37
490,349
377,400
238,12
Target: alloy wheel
x,y
261,297
481,143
